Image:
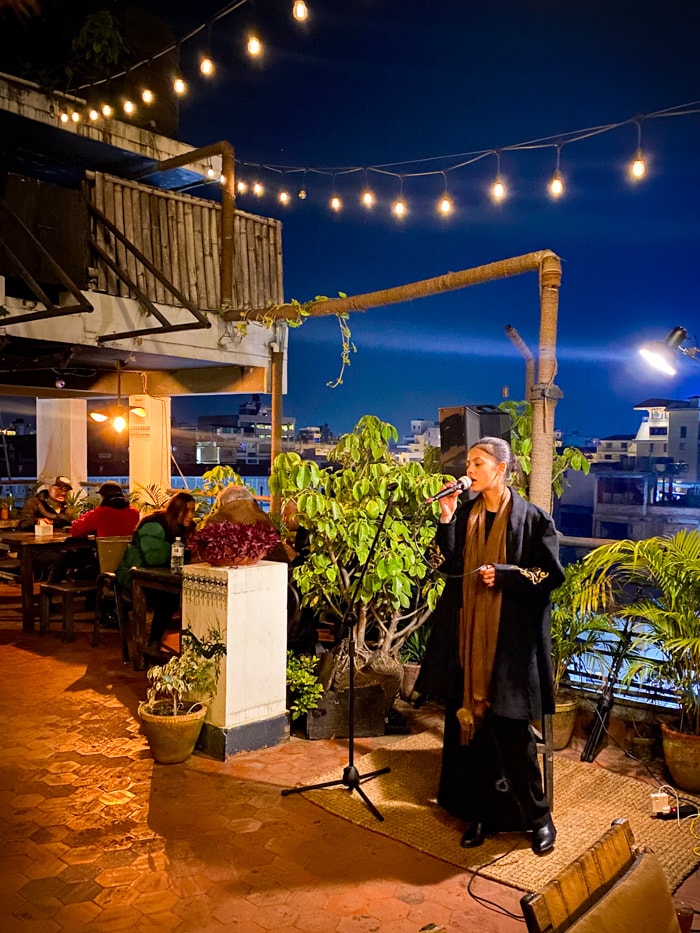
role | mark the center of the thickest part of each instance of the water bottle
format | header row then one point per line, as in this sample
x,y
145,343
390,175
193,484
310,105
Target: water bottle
x,y
177,556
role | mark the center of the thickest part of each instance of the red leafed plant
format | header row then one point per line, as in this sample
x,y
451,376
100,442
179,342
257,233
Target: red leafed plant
x,y
235,541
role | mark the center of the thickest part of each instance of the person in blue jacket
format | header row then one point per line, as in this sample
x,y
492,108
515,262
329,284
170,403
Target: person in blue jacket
x,y
150,547
489,652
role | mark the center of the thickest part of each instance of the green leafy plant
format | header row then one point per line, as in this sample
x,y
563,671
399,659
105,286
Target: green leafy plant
x,y
304,690
188,678
413,649
654,585
340,508
570,458
576,632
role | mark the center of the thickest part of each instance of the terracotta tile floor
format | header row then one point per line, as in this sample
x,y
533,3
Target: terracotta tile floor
x,y
95,836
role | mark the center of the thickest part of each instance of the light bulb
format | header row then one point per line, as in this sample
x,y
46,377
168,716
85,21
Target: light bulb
x,y
302,194
129,106
556,185
64,117
368,198
258,190
147,96
498,190
222,179
399,207
107,110
638,168
206,66
254,46
75,116
300,10
242,187
336,203
211,172
445,205
119,423
93,114
284,197
179,86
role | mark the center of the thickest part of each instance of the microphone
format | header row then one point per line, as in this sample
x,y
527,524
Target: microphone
x,y
460,485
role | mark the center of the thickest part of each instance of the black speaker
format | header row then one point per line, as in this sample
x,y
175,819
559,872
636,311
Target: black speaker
x,y
462,426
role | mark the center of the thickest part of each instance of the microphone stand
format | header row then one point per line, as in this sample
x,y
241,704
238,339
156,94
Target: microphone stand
x,y
351,776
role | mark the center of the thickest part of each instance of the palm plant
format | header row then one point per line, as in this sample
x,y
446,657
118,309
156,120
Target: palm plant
x,y
655,585
576,631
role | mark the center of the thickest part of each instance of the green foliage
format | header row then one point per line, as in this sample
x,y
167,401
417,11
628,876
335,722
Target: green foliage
x,y
413,649
575,631
570,458
147,498
654,585
341,509
304,690
100,41
431,460
190,676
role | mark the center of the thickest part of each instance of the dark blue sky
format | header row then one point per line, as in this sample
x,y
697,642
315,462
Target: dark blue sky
x,y
374,81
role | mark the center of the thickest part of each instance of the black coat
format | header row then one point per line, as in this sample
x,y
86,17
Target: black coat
x,y
521,684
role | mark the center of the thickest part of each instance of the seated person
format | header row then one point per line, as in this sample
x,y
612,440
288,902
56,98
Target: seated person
x,y
48,507
150,547
113,516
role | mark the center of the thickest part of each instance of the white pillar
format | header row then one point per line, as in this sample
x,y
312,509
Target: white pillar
x,y
149,442
249,607
61,439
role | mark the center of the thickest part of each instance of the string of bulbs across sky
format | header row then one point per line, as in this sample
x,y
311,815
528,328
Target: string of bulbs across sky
x,y
250,177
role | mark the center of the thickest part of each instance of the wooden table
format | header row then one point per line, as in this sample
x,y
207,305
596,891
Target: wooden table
x,y
26,544
142,579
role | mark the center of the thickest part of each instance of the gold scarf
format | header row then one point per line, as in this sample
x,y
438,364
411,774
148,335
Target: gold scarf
x,y
481,611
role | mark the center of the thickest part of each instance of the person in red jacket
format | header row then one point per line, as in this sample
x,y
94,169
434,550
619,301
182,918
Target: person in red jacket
x,y
113,516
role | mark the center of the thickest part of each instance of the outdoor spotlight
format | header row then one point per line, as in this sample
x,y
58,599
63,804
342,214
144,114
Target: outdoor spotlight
x,y
661,354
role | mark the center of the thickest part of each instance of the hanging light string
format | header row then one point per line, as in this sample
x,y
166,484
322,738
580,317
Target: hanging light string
x,y
422,168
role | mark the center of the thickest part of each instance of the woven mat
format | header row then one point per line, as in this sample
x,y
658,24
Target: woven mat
x,y
587,798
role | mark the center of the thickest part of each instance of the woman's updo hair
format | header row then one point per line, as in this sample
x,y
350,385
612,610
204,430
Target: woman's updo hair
x,y
500,450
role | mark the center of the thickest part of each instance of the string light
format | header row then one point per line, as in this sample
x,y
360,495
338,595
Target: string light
x,y
283,196
302,191
211,172
258,189
63,117
179,85
93,114
336,203
368,198
147,96
498,188
300,11
556,185
399,207
129,107
638,166
254,46
106,111
445,205
242,186
206,66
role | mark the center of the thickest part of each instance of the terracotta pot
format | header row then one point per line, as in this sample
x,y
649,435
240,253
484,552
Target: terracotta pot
x,y
172,738
563,722
408,681
682,755
233,561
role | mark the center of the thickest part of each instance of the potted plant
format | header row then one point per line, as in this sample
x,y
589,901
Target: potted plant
x,y
179,691
654,585
340,509
576,645
226,544
304,689
411,655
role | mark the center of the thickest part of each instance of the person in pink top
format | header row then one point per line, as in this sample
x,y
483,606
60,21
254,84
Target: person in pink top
x,y
113,516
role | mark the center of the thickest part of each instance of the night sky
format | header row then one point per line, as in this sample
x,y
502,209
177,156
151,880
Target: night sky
x,y
390,81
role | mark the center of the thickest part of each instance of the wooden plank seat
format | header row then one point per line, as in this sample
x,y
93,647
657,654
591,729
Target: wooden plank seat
x,y
68,591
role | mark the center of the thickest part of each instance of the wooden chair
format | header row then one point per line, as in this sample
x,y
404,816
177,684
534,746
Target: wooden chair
x,y
110,551
68,591
614,887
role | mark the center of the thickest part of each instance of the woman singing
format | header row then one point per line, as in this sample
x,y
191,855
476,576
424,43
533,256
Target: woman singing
x,y
489,654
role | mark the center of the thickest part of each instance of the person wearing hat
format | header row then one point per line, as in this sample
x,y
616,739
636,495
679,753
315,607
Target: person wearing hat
x,y
113,516
48,507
